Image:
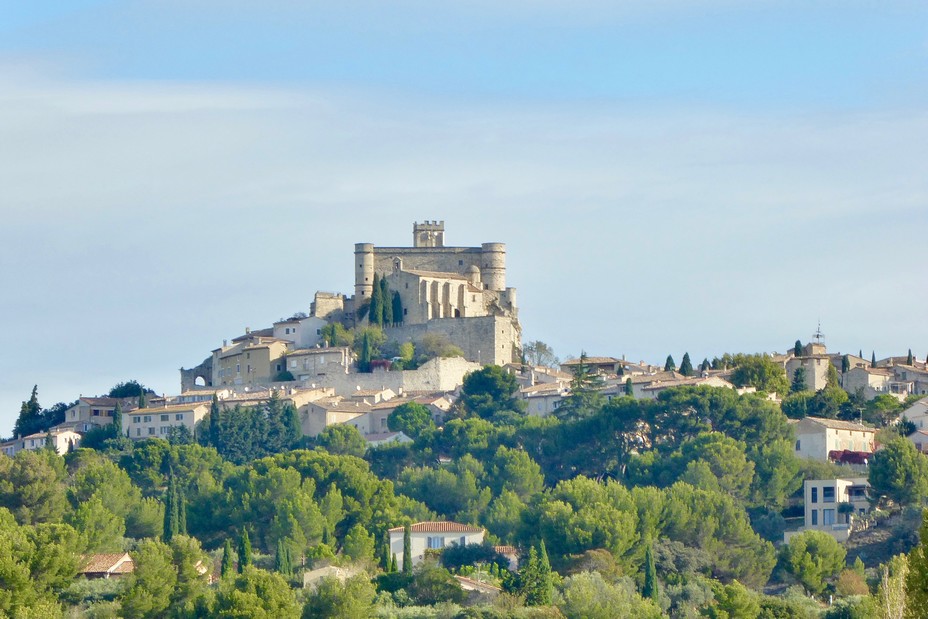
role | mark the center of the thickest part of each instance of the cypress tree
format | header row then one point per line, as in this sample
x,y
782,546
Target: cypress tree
x,y
669,365
50,442
227,564
860,353
797,349
873,359
385,556
544,577
686,366
142,400
393,567
282,559
397,308
909,360
387,302
117,420
651,585
170,510
628,387
214,428
704,366
244,551
845,364
180,498
375,313
364,360
407,550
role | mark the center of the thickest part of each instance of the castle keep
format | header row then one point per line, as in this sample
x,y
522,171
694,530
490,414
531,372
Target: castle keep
x,y
457,292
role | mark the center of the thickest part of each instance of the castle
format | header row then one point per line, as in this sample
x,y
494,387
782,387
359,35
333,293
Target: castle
x,y
457,292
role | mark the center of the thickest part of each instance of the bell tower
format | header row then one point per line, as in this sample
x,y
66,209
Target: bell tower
x,y
428,234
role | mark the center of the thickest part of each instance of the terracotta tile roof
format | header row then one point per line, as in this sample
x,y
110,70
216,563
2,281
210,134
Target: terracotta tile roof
x,y
439,275
174,408
592,361
118,563
439,527
506,550
100,401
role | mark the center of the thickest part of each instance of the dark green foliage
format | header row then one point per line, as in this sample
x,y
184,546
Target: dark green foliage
x,y
457,556
705,365
333,600
916,581
490,393
797,349
244,551
241,434
255,593
397,308
585,397
228,563
799,381
433,584
873,359
760,372
535,578
386,299
30,419
407,550
282,561
128,389
410,418
686,366
813,558
214,438
393,568
375,314
845,364
899,472
343,440
117,420
364,358
909,360
670,365
629,390
651,587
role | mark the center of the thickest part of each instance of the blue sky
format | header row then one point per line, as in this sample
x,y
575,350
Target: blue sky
x,y
704,176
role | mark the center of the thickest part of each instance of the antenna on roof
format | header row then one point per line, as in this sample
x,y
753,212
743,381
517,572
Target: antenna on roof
x,y
818,336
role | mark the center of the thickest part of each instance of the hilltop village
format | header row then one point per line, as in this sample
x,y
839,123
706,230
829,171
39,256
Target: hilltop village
x,y
402,448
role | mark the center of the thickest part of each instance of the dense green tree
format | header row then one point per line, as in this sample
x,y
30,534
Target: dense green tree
x,y
386,299
762,373
733,600
30,419
228,563
282,562
909,360
433,584
588,596
797,349
873,359
686,366
150,587
899,472
375,313
845,364
799,381
831,377
342,439
514,470
397,305
670,365
916,580
585,397
411,418
32,486
407,550
100,529
334,600
117,420
255,594
128,389
651,588
364,359
813,558
244,552
215,423
629,390
490,392
359,545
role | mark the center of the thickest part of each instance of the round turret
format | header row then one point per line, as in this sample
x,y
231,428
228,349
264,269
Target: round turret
x,y
494,266
363,272
473,276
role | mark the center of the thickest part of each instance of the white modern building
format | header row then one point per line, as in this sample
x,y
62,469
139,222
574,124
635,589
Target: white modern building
x,y
426,537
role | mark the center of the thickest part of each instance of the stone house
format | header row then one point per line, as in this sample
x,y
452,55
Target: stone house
x,y
831,505
433,536
144,423
831,439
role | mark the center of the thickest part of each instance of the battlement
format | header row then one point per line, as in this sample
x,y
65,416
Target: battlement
x,y
428,234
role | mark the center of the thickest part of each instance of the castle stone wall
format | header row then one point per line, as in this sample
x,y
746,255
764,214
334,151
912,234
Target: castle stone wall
x,y
436,375
484,339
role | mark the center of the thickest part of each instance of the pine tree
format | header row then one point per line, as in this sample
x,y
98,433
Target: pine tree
x,y
214,427
909,360
797,349
227,561
30,416
386,302
686,366
873,359
375,313
244,551
669,365
407,550
650,590
628,387
397,308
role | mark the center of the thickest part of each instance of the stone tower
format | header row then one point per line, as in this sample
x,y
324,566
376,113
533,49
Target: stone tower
x,y
428,234
363,271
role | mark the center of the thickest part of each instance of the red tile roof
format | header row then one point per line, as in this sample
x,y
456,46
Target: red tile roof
x,y
439,527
